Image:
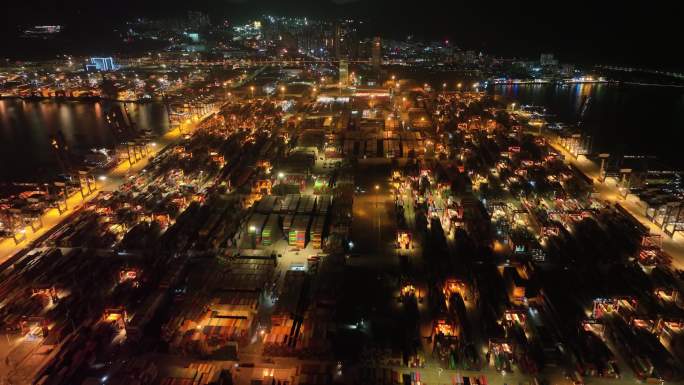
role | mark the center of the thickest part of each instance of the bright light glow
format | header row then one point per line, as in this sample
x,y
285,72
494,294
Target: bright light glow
x,y
102,178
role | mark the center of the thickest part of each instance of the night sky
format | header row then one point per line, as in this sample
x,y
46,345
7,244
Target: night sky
x,y
613,32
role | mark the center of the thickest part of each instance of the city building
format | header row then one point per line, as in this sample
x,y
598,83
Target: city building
x,y
547,59
102,64
376,58
344,72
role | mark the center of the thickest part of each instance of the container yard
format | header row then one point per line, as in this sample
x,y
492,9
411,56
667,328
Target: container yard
x,y
310,232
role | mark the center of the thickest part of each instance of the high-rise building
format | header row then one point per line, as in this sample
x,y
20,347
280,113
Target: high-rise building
x,y
338,41
345,39
470,57
197,20
376,52
310,36
344,72
101,64
547,59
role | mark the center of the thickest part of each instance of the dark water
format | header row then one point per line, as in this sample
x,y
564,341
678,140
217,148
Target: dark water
x,y
622,119
27,127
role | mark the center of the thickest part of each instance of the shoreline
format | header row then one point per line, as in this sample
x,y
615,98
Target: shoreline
x,y
81,99
52,219
632,204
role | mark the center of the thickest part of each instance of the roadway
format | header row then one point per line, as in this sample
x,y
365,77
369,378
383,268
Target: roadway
x,y
434,375
608,191
9,250
374,220
20,357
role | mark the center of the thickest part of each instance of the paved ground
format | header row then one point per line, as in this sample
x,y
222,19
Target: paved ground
x,y
114,179
673,246
374,220
20,358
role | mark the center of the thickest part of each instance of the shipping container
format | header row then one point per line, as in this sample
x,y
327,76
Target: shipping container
x,y
270,231
299,232
283,204
287,223
317,228
255,226
306,204
267,204
293,204
371,148
323,205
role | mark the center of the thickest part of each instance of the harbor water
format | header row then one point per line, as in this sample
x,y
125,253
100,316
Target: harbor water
x,y
621,119
28,127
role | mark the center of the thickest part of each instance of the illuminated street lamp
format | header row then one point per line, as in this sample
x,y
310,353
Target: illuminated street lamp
x,y
251,88
377,200
459,85
282,91
252,232
281,175
377,189
512,106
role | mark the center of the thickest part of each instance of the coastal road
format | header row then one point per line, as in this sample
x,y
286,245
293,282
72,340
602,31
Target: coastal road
x,y
674,246
114,178
374,219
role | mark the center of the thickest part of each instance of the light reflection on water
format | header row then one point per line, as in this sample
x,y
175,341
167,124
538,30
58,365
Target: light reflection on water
x,y
622,119
26,129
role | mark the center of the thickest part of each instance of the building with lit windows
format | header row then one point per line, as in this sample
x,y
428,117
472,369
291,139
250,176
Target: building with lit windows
x,y
101,64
